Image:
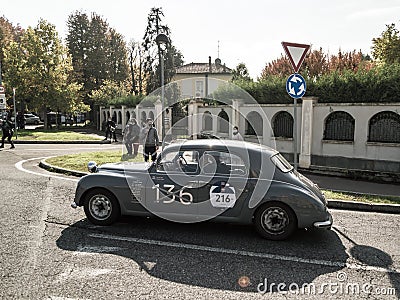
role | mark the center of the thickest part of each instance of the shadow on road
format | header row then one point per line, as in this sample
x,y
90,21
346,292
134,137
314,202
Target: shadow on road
x,y
250,260
375,257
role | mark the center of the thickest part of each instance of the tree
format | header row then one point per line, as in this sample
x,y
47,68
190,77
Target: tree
x,y
39,68
279,67
109,90
241,73
98,53
172,56
386,48
318,64
76,41
135,59
8,33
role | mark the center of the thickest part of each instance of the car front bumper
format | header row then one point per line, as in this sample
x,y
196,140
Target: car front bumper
x,y
324,224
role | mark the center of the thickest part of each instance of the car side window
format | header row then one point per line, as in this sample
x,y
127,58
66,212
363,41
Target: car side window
x,y
179,161
224,163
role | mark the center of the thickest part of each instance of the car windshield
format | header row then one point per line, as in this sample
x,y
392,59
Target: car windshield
x,y
281,163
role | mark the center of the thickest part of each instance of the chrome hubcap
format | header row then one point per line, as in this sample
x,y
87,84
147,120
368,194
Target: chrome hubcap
x,y
100,207
274,219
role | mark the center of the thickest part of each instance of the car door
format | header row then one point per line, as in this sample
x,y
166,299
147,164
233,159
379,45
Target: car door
x,y
223,184
171,189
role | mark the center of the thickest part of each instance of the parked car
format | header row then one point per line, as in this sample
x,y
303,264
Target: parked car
x,y
31,119
198,180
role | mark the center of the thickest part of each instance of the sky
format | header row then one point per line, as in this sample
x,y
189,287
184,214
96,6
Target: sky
x,y
248,31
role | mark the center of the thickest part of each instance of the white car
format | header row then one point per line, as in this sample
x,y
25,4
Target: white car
x,y
31,119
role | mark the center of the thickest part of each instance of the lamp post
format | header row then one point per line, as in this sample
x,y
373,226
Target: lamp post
x,y
162,39
15,115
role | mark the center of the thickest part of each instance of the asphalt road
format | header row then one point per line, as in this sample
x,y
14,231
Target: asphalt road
x,y
49,251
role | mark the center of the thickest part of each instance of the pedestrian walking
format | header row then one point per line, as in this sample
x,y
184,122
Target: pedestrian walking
x,y
127,138
236,135
135,136
110,129
8,132
149,138
131,137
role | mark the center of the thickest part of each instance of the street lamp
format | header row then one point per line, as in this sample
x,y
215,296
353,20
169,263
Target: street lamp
x,y
15,115
162,39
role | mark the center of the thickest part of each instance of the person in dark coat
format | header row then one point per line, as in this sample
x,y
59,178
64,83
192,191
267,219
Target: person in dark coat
x,y
8,132
110,130
149,138
131,137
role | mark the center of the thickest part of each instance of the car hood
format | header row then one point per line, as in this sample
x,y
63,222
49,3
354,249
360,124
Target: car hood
x,y
125,166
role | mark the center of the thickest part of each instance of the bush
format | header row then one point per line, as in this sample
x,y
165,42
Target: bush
x,y
380,84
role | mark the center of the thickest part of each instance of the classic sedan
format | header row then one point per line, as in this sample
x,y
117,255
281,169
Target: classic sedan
x,y
199,180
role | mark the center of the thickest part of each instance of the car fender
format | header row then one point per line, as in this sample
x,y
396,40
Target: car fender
x,y
116,183
307,207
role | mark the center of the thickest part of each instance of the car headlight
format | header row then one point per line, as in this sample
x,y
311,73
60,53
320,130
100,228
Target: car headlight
x,y
92,166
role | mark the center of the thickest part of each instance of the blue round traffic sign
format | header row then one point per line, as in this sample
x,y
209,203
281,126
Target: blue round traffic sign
x,y
296,86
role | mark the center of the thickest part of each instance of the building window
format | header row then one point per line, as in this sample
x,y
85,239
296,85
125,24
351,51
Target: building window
x,y
254,124
199,88
339,126
384,127
223,122
283,125
207,121
128,115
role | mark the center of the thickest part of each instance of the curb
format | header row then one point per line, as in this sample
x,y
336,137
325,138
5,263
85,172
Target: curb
x,y
363,206
100,142
44,165
335,204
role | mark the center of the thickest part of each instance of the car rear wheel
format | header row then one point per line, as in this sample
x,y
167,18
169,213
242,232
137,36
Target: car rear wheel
x,y
101,207
275,221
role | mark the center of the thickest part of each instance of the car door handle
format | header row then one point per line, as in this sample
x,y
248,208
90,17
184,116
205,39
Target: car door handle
x,y
192,184
202,183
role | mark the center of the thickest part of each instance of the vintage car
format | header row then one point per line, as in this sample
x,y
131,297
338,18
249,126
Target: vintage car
x,y
199,180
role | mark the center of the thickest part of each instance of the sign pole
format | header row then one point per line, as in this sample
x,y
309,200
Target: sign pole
x,y
295,85
295,133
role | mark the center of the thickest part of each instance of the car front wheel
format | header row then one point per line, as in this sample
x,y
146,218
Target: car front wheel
x,y
275,221
101,207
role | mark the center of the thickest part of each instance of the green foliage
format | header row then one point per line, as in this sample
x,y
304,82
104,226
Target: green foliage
x,y
114,93
241,73
171,55
39,67
8,33
128,100
98,52
386,48
378,84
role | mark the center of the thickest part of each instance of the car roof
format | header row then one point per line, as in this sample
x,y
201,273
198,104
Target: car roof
x,y
222,143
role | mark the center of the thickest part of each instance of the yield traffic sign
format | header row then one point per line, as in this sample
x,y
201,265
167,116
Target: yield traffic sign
x,y
296,53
